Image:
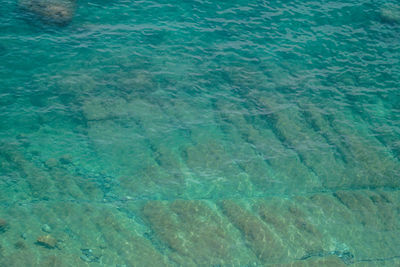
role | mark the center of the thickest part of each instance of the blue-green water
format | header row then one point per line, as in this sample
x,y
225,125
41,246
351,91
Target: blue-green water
x,y
200,133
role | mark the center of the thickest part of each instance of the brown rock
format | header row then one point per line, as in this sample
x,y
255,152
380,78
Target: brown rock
x,y
51,163
54,11
47,241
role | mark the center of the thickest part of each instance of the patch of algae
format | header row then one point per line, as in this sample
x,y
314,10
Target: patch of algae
x,y
143,165
135,250
50,181
324,229
367,162
277,163
360,221
38,180
109,235
362,204
259,237
291,127
195,234
288,220
346,226
208,157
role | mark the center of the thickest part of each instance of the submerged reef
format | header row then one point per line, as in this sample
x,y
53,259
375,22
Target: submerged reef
x,y
390,13
58,12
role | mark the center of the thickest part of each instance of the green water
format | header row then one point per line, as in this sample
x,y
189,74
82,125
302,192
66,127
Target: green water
x,y
200,133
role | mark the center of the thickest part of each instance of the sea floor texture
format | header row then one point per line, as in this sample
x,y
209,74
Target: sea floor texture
x,y
199,133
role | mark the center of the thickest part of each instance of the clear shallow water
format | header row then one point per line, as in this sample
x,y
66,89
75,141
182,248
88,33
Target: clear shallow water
x,y
231,133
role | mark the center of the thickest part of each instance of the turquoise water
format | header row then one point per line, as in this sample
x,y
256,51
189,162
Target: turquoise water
x,y
200,133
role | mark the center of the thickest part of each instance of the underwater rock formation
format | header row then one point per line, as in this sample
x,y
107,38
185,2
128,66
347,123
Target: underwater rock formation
x,y
47,241
58,12
390,13
46,228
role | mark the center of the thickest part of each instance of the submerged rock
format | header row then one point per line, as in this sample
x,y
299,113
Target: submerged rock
x,y
390,13
66,159
89,256
46,228
54,11
47,241
51,163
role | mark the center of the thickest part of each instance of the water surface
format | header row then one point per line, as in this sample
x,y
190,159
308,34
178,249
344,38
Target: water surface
x,y
201,133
